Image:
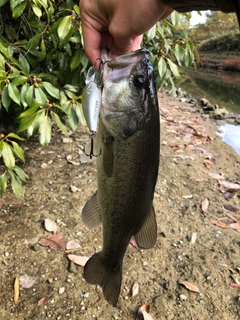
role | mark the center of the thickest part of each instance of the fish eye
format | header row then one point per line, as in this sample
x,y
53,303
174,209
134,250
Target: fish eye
x,y
138,81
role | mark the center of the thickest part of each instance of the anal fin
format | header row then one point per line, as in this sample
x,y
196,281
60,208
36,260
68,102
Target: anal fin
x,y
91,213
147,235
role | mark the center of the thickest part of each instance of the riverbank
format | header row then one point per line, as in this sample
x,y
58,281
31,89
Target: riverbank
x,y
197,204
219,61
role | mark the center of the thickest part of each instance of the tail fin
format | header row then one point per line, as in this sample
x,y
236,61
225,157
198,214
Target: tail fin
x,y
96,271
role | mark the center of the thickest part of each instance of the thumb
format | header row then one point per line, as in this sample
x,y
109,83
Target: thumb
x,y
123,46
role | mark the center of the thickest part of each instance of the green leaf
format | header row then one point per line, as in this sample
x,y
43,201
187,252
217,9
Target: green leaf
x,y
13,92
2,62
23,95
1,147
76,59
71,95
162,67
3,48
24,63
32,123
61,126
17,7
151,33
80,114
76,9
175,18
14,73
45,130
71,88
34,41
18,150
25,123
3,183
15,136
167,46
29,97
173,68
53,91
8,156
43,50
2,2
30,111
6,101
73,119
64,27
179,53
16,184
173,87
10,50
21,174
19,80
37,11
40,96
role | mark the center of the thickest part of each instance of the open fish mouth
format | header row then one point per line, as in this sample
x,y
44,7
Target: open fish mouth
x,y
121,65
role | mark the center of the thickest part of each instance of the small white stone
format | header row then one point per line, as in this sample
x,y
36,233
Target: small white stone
x,y
182,297
61,290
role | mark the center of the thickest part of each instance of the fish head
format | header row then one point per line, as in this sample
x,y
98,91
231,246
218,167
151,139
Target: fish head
x,y
128,93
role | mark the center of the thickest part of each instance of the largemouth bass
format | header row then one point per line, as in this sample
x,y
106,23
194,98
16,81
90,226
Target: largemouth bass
x,y
128,135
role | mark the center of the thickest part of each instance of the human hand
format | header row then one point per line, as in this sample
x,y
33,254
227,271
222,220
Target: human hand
x,y
119,25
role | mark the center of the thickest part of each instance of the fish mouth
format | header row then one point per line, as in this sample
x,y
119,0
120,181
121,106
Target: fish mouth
x,y
126,59
121,65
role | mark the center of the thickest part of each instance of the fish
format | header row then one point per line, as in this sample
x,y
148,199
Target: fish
x,y
128,135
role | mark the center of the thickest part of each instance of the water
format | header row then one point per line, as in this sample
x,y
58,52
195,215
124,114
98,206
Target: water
x,y
219,87
231,135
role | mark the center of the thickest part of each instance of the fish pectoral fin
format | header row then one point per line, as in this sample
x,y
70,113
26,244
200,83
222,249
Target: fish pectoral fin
x,y
91,213
107,153
147,235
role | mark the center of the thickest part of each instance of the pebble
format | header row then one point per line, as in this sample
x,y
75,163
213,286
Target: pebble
x,y
6,254
37,247
61,290
44,165
182,297
72,267
67,140
85,295
145,263
192,238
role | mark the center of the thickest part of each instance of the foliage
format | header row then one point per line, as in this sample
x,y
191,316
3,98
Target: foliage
x,y
225,22
217,23
170,46
43,66
223,43
9,151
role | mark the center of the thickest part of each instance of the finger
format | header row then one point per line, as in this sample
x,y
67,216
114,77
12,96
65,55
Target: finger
x,y
120,46
136,43
92,43
167,12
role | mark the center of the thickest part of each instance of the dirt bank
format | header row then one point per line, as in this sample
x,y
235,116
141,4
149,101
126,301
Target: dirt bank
x,y
198,239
